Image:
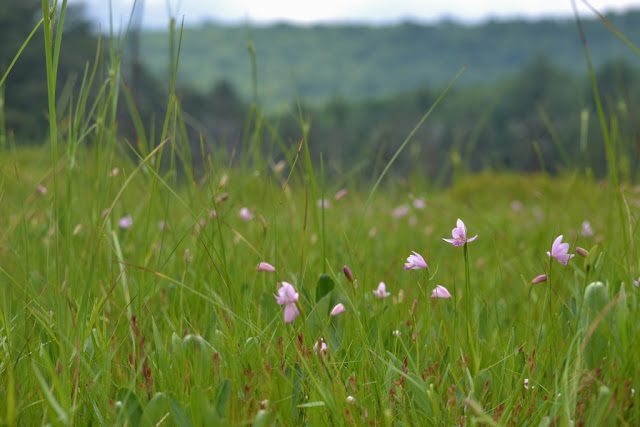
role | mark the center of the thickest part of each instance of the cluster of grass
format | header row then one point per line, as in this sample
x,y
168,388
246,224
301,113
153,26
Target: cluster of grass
x,y
130,294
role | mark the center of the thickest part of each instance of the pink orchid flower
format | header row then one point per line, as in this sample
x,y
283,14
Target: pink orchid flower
x,y
400,211
126,222
559,251
339,308
586,229
245,214
460,235
637,282
265,266
323,346
440,292
288,296
322,203
415,262
381,292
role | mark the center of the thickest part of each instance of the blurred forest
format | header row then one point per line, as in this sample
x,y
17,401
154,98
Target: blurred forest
x,y
525,102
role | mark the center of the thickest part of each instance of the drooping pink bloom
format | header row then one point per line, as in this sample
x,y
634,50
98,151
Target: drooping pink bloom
x,y
339,308
41,189
125,222
245,214
637,282
415,262
440,292
265,266
539,279
288,296
381,292
586,229
460,235
419,203
560,251
340,194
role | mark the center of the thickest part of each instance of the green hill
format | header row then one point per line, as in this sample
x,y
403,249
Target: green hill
x,y
358,61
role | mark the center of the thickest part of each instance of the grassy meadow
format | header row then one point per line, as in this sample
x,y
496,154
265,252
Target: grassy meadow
x,y
131,293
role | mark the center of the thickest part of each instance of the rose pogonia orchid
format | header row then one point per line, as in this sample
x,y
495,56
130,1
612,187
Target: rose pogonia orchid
x,y
440,292
288,296
560,251
126,222
265,266
400,211
245,214
381,292
339,308
586,229
460,235
415,262
323,346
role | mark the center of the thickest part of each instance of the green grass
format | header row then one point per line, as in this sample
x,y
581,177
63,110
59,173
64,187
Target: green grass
x,y
173,325
208,340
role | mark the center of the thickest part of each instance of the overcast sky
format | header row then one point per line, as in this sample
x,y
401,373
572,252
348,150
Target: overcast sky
x,y
156,12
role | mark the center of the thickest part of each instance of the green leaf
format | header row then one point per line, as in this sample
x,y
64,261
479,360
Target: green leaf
x,y
596,297
222,396
157,408
131,410
62,415
296,395
324,286
179,415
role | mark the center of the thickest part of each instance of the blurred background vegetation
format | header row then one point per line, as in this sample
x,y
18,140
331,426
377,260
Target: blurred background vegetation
x,y
523,104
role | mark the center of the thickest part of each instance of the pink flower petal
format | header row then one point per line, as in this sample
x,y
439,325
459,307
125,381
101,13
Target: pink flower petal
x,y
290,312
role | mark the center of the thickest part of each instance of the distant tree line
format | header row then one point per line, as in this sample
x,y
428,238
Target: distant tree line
x,y
542,116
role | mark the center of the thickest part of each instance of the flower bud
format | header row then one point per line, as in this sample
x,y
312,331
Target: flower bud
x,y
582,252
539,279
347,273
265,266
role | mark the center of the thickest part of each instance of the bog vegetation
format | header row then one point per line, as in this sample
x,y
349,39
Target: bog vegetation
x,y
270,284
